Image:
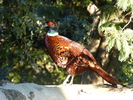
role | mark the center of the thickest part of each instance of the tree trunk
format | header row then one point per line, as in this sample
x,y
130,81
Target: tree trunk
x,y
107,60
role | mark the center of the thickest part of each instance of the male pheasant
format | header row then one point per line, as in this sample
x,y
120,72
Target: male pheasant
x,y
72,56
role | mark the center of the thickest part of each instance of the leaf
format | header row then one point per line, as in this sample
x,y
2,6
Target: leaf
x,y
16,51
1,27
122,56
87,1
118,44
111,43
108,12
132,53
124,4
128,33
126,46
38,18
23,2
125,51
29,44
105,25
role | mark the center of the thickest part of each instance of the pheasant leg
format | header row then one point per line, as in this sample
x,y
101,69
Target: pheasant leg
x,y
67,80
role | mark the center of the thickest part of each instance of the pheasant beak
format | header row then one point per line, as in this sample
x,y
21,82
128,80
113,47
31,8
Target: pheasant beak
x,y
45,25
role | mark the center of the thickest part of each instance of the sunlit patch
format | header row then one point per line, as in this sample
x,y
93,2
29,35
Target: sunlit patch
x,y
91,64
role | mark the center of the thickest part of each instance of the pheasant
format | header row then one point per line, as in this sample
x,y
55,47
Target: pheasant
x,y
72,56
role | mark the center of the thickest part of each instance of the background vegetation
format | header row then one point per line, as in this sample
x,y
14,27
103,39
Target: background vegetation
x,y
23,56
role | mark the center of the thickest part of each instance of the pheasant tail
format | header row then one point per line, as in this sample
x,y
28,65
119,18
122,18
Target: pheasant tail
x,y
106,76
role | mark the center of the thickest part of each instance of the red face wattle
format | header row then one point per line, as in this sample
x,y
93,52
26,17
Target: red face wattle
x,y
50,24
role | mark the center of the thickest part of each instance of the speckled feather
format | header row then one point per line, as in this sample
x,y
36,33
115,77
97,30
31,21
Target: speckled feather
x,y
73,57
64,51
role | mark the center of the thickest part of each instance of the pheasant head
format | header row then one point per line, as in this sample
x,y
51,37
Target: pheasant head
x,y
52,29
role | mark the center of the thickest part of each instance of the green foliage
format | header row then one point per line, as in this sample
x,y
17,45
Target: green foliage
x,y
23,55
75,28
20,37
119,36
19,27
108,12
125,74
114,33
122,40
125,4
51,11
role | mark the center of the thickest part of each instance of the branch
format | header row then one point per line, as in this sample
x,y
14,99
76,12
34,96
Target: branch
x,y
128,23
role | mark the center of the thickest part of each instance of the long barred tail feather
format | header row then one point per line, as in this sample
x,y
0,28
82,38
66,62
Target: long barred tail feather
x,y
106,76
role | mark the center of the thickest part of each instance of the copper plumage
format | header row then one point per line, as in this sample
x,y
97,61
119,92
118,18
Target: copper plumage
x,y
73,57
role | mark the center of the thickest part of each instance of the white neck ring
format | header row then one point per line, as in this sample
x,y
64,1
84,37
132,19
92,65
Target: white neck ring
x,y
52,34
